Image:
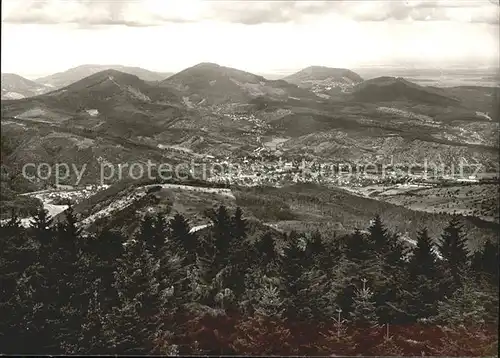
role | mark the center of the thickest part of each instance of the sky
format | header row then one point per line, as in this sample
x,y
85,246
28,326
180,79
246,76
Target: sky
x,y
40,37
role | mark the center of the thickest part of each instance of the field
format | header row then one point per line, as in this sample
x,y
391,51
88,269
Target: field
x,y
333,211
299,207
479,200
122,205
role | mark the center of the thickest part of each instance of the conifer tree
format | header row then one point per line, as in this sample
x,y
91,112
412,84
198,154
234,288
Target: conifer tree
x,y
265,332
485,265
154,232
389,297
295,259
52,288
379,237
177,268
65,291
147,232
316,296
103,254
43,233
202,274
181,240
134,324
357,247
462,321
422,283
239,253
364,314
68,277
217,268
70,230
464,307
485,262
32,292
293,263
239,225
364,319
13,262
40,226
423,259
266,249
453,249
333,252
315,248
239,228
344,280
34,297
338,339
269,301
92,336
389,346
222,236
158,245
387,269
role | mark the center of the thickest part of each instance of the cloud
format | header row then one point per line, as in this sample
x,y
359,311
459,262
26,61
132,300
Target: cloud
x,y
476,11
141,13
259,12
57,12
157,12
87,13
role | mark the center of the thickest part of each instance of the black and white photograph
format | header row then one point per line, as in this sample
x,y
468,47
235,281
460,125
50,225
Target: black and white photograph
x,y
250,178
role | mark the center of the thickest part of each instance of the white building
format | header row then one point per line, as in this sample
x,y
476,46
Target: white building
x,y
93,112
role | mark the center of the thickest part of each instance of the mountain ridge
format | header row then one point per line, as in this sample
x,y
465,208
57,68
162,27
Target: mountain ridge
x,y
211,83
388,88
15,86
323,73
64,78
325,82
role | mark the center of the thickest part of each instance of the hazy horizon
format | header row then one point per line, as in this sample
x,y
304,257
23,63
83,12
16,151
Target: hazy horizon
x,y
367,71
40,38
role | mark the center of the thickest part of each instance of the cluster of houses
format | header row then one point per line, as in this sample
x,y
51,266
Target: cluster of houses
x,y
265,167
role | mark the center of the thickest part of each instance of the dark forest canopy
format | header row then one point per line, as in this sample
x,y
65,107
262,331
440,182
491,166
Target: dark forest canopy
x,y
170,291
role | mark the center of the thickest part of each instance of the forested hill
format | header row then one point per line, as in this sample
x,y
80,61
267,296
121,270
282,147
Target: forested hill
x,y
223,291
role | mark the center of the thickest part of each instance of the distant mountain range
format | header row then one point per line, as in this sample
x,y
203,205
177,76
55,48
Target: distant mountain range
x,y
211,84
208,84
224,112
108,88
120,103
320,73
388,89
199,80
62,79
17,87
210,114
325,82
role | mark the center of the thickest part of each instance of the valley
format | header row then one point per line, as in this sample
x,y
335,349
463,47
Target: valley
x,y
249,178
385,139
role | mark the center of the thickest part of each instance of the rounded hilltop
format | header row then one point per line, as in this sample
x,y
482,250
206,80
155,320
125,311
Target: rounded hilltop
x,y
320,73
